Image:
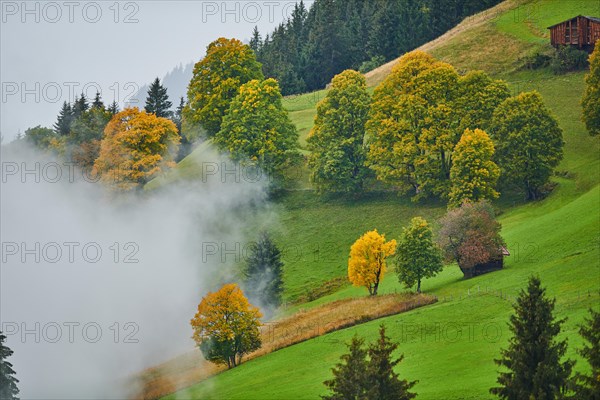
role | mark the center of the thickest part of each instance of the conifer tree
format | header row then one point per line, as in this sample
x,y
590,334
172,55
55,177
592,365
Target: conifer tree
x,y
113,108
98,102
157,101
264,270
63,122
385,384
533,357
256,40
8,381
587,387
349,379
80,106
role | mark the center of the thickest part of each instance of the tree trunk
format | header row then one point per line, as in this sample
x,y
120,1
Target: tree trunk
x,y
419,286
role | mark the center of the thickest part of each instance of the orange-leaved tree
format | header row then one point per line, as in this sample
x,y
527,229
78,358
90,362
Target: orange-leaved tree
x,y
226,326
367,263
135,147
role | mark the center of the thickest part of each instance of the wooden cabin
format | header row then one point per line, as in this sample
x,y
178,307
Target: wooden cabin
x,y
580,31
490,266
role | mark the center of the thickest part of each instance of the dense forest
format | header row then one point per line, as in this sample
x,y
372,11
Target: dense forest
x,y
313,45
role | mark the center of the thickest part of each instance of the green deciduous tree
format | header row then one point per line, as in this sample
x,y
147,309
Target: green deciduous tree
x,y
264,272
40,137
157,101
591,96
473,174
8,381
337,159
588,386
528,142
417,256
349,378
228,64
532,362
257,128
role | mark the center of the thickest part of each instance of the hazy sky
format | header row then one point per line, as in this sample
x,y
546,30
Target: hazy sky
x,y
51,50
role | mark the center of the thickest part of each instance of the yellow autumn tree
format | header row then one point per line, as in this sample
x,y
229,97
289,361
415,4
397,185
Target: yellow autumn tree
x,y
135,147
367,262
226,326
474,173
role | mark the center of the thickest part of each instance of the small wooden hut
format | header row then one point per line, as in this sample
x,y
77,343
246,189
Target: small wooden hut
x,y
580,31
492,265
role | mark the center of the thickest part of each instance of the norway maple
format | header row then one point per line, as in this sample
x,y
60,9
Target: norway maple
x,y
473,174
591,96
367,262
417,255
336,142
419,114
258,129
136,146
226,326
216,80
528,141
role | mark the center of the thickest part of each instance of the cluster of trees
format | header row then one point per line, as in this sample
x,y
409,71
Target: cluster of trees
x,y
8,381
78,130
230,102
532,364
469,235
124,148
425,132
369,373
304,52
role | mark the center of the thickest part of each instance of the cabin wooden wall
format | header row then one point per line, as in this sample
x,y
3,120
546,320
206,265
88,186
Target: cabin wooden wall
x,y
580,32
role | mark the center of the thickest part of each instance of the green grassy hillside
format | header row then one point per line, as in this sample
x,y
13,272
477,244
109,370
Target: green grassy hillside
x,y
449,346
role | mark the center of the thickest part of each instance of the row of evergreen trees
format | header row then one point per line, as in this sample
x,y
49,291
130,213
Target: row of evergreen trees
x,y
304,52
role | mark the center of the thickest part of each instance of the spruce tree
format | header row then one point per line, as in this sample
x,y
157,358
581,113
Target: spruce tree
x,y
63,122
349,380
385,384
533,357
80,106
256,40
157,101
587,387
8,382
113,108
98,102
264,270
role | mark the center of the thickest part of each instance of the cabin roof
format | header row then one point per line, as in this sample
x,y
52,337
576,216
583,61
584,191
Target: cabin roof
x,y
595,19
